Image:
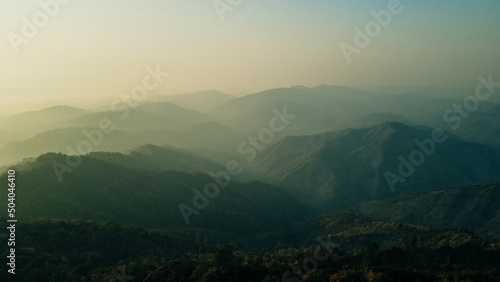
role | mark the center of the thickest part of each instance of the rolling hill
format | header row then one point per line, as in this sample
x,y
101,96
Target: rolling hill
x,y
200,101
206,136
476,208
338,169
58,140
330,108
100,191
151,157
145,116
33,122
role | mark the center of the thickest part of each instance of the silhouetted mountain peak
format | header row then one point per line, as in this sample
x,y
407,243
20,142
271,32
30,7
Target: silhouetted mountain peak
x,y
148,149
300,87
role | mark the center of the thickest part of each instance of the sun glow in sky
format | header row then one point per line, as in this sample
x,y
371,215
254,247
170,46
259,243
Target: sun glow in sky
x,y
259,45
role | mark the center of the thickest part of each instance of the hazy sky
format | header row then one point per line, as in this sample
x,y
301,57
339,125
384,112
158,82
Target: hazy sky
x,y
260,44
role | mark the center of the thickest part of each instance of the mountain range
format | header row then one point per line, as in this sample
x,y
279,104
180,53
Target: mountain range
x,y
363,151
338,170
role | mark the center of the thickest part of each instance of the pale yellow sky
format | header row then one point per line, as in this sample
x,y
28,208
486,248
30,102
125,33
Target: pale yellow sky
x,y
259,45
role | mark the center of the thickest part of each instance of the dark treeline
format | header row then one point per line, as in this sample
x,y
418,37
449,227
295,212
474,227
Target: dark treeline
x,y
60,250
